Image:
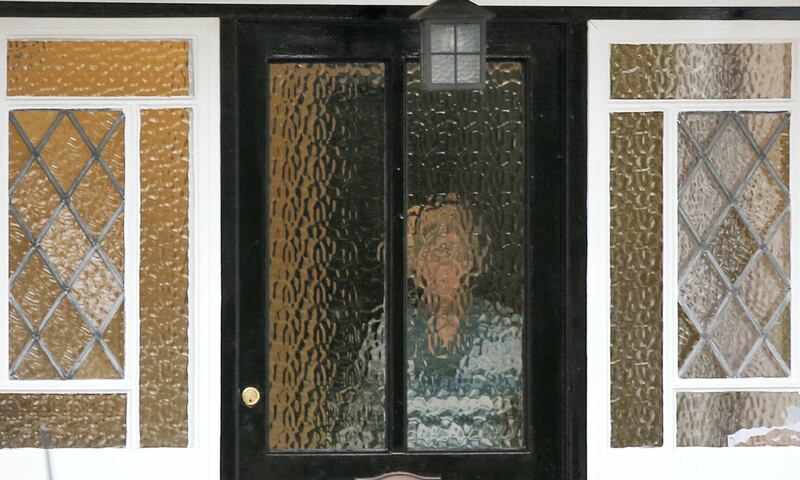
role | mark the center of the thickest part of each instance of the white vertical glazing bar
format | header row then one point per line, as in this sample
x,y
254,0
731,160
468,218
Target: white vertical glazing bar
x,y
196,82
4,152
598,272
205,249
194,211
670,271
132,201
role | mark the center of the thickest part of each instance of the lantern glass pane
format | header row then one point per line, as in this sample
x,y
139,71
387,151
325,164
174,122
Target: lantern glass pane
x,y
443,68
468,68
442,38
468,38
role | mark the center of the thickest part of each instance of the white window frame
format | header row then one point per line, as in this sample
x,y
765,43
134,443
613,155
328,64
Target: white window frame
x,y
669,461
201,459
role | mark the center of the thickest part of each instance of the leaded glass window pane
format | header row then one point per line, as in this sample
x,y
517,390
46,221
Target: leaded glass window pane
x,y
733,213
66,244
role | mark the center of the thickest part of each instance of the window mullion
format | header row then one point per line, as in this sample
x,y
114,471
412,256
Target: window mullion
x,y
395,257
670,272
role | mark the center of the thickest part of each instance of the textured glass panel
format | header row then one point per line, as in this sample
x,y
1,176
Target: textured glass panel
x,y
468,38
747,70
442,38
66,296
443,68
74,420
164,278
98,68
465,261
326,273
734,243
736,419
636,290
469,68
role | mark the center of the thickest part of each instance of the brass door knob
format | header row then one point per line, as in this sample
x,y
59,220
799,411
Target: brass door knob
x,y
250,397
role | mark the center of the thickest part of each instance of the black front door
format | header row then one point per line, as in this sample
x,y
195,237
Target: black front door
x,y
399,260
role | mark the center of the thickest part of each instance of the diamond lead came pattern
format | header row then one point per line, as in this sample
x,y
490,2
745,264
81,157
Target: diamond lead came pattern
x,y
733,214
66,287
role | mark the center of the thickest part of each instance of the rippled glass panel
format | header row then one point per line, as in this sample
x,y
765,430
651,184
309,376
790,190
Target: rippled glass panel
x,y
738,419
95,68
636,270
73,420
66,246
734,228
696,71
164,278
326,271
465,171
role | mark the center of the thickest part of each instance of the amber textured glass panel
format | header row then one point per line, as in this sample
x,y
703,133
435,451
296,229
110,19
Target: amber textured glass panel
x,y
734,271
66,296
737,419
74,420
636,289
465,174
95,68
693,70
164,278
326,288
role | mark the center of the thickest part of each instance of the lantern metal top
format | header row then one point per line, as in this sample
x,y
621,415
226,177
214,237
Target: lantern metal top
x,y
452,10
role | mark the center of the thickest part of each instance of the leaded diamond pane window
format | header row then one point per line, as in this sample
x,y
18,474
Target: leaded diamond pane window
x,y
733,209
699,245
98,243
66,276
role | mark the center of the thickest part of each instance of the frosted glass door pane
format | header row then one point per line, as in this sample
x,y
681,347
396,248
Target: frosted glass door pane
x,y
326,272
465,262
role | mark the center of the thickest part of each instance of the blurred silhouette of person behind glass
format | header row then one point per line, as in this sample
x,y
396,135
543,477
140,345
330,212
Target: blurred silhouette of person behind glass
x,y
446,253
464,351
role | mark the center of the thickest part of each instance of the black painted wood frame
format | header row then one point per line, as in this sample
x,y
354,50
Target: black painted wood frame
x,y
557,223
540,49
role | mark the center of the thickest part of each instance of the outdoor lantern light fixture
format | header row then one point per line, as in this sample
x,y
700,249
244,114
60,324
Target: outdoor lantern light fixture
x,y
453,45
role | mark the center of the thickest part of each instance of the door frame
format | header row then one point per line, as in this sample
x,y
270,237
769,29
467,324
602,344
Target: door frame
x,y
366,36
